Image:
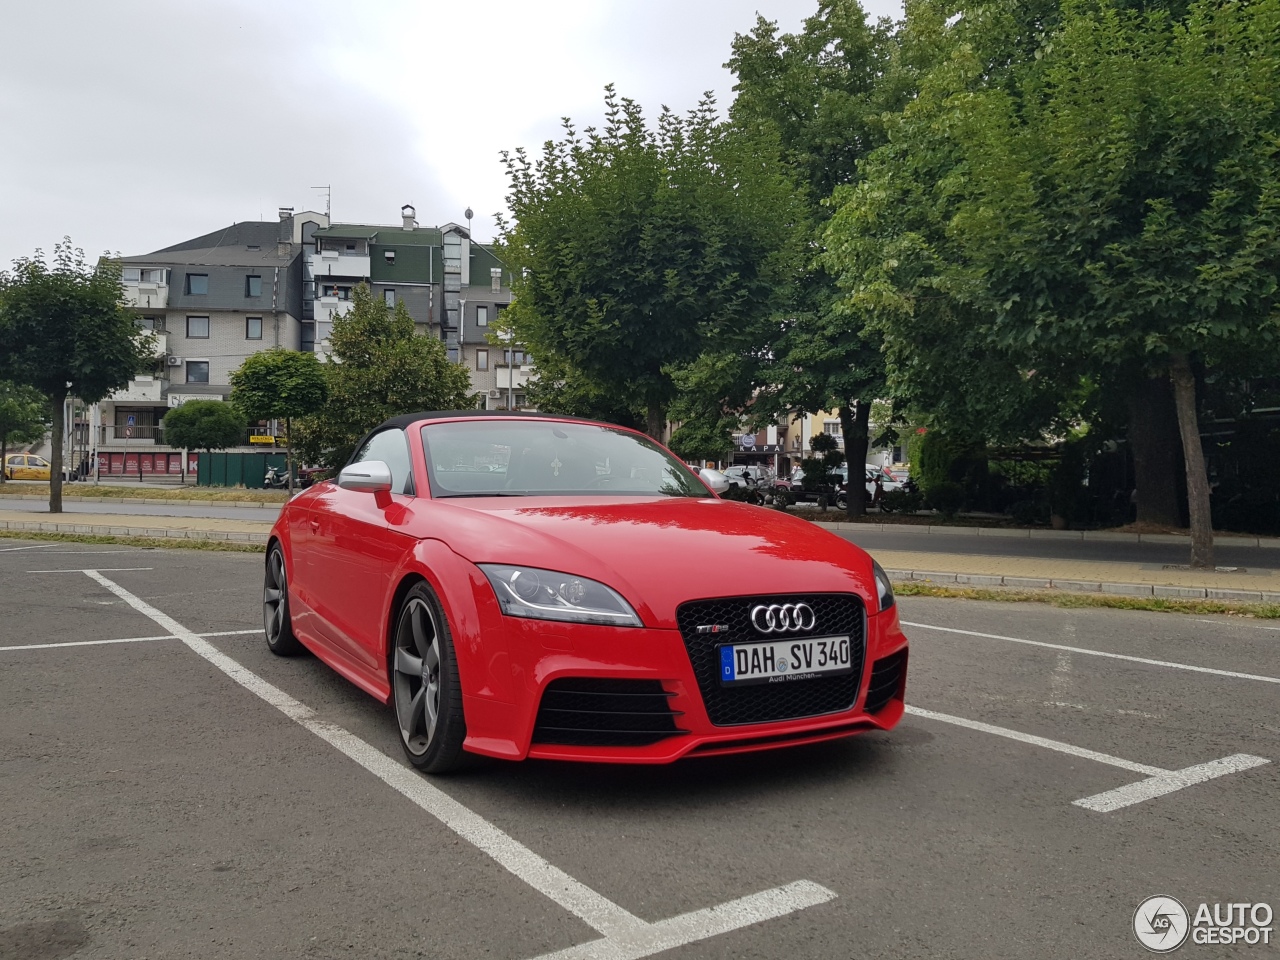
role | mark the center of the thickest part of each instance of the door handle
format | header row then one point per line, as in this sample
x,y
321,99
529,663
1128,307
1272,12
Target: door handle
x,y
315,526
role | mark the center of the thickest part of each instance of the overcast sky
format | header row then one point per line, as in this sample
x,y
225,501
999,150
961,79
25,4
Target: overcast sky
x,y
134,124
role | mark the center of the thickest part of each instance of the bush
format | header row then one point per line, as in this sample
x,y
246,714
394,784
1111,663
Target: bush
x,y
1028,512
901,501
947,498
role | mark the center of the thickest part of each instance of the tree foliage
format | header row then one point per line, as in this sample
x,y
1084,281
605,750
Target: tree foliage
x,y
379,368
1109,202
824,94
635,246
22,416
204,425
65,332
280,384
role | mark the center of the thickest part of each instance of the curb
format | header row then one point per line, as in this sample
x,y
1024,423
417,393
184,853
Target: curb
x,y
152,501
1082,586
157,533
1018,533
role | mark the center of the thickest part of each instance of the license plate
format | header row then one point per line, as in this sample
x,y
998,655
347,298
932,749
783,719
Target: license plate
x,y
781,661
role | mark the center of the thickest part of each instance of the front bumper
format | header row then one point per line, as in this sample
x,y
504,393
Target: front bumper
x,y
540,653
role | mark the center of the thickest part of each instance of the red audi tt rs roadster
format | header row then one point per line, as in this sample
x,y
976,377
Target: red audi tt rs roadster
x,y
528,585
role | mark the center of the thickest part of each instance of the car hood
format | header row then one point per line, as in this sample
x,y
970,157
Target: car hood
x,y
657,552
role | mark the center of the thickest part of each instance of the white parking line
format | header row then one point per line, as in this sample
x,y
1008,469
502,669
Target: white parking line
x,y
36,546
98,643
1159,781
108,569
625,935
1099,653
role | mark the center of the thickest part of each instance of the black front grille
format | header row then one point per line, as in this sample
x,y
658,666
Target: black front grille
x,y
836,615
599,712
886,673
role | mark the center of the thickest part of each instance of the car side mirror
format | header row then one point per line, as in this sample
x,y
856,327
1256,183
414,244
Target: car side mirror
x,y
714,479
368,476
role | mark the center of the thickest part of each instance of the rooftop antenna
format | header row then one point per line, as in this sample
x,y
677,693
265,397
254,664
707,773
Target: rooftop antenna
x,y
468,214
328,197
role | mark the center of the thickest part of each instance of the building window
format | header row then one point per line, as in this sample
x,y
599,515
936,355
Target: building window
x,y
308,338
197,371
520,401
153,276
482,316
831,427
390,297
513,356
253,328
495,279
197,284
351,248
151,323
482,359
253,286
131,275
389,255
197,328
332,290
253,246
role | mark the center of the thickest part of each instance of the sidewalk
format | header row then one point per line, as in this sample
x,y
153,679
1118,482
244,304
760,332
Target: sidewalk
x,y
123,525
972,570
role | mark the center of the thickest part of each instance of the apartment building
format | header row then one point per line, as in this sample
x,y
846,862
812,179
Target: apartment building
x,y
453,287
210,302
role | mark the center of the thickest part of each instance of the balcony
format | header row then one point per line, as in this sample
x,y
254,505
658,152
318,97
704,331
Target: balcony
x,y
513,377
140,390
160,342
331,263
147,296
112,434
326,308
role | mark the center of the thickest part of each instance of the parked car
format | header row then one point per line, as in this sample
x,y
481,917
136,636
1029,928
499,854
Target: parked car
x,y
26,466
558,612
748,475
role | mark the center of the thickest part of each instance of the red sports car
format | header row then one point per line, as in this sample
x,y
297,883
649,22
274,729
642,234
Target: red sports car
x,y
528,585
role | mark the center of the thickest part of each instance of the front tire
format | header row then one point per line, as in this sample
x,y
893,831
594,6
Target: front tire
x,y
425,689
277,622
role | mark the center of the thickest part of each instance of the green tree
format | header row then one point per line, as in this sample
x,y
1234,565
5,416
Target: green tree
x,y
634,247
22,417
1112,209
823,93
378,368
66,331
204,425
280,384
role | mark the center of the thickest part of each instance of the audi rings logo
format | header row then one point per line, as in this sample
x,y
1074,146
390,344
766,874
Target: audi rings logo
x,y
783,617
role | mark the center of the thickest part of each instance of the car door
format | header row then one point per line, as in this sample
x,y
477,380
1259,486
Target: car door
x,y
355,547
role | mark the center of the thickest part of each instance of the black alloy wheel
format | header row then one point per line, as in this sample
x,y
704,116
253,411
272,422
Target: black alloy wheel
x,y
425,688
275,607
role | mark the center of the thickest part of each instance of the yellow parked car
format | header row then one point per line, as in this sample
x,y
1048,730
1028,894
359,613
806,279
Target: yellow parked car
x,y
25,466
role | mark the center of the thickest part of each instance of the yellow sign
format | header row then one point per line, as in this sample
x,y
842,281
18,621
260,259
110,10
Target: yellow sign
x,y
257,438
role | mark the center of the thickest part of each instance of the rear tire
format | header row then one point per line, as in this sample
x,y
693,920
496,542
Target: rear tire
x,y
425,688
277,621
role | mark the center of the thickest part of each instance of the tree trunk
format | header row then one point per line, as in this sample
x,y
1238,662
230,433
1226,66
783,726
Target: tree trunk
x,y
853,425
288,452
1184,395
1153,436
4,455
656,421
59,402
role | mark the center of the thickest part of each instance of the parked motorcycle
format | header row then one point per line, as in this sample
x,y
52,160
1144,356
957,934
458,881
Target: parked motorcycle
x,y
276,479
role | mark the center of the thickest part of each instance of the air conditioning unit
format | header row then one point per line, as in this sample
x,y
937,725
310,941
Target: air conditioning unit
x,y
174,361
495,394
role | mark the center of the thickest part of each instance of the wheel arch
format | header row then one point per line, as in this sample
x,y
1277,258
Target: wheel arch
x,y
407,582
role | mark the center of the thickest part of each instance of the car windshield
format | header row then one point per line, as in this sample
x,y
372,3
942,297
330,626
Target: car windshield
x,y
523,458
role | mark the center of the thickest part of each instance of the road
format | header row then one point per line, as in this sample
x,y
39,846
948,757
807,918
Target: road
x,y
178,508
157,806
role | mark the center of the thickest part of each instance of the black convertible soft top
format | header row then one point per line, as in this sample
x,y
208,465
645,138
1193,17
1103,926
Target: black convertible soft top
x,y
405,420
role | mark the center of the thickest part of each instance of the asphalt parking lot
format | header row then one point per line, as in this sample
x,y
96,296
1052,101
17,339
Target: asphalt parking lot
x,y
190,795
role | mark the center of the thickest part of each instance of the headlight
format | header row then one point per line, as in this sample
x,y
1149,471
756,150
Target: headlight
x,y
547,595
883,587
